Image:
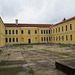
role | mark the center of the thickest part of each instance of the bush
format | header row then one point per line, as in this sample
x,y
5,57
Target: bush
x,y
31,71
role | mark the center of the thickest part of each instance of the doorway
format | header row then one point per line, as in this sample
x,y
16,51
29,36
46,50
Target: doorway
x,y
29,40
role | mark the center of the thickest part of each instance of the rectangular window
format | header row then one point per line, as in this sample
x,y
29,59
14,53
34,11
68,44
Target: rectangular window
x,y
71,37
16,39
66,27
49,31
62,28
44,39
41,38
9,31
59,29
9,39
6,39
44,31
41,31
22,32
70,26
35,31
47,38
56,38
5,31
12,31
62,38
29,32
66,38
13,39
16,31
56,30
59,38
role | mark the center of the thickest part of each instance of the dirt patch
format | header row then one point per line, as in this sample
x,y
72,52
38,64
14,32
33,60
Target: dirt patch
x,y
35,57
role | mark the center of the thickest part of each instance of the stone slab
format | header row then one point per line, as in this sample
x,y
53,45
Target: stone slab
x,y
67,66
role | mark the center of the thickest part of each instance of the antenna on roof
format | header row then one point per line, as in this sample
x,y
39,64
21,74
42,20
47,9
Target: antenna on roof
x,y
16,21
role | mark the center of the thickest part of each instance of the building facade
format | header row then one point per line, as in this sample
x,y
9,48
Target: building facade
x,y
63,32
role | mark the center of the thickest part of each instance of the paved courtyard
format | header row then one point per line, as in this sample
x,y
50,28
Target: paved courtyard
x,y
41,58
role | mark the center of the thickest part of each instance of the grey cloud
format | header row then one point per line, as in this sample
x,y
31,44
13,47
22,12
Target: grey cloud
x,y
37,11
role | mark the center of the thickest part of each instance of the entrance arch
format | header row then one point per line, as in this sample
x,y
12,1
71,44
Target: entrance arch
x,y
29,40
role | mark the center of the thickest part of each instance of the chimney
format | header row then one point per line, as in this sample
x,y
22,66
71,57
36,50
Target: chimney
x,y
16,21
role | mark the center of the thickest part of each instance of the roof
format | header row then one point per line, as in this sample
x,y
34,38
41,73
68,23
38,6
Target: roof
x,y
27,25
65,21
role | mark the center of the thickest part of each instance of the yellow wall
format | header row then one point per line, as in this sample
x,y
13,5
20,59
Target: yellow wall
x,y
23,38
2,33
38,38
64,33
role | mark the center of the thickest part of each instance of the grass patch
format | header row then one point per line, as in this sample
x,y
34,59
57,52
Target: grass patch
x,y
29,46
64,45
31,71
60,53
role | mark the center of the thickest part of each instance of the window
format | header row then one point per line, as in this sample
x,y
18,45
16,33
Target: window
x,y
56,30
16,31
12,31
62,38
44,39
41,38
16,39
21,31
49,31
6,39
41,31
59,29
66,27
66,38
9,39
5,31
29,32
35,31
9,31
62,28
47,38
59,38
13,39
70,26
36,38
56,38
44,31
71,37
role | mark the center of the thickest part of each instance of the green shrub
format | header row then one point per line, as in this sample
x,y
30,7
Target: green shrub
x,y
31,71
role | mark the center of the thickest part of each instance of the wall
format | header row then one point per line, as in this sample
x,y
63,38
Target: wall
x,y
64,33
2,33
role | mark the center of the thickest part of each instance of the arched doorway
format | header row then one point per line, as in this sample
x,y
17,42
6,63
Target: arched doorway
x,y
29,40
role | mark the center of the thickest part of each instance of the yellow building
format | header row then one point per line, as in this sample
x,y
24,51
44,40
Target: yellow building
x,y
63,32
2,33
15,33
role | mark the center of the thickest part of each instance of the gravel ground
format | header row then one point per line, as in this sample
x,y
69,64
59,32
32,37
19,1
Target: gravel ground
x,y
43,63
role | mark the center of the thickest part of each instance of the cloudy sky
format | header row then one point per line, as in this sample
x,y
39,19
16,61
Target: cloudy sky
x,y
36,11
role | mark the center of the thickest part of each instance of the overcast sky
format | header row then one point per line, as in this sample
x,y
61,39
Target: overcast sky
x,y
36,11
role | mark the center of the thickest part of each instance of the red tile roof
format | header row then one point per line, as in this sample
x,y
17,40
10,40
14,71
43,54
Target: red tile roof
x,y
27,25
65,21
